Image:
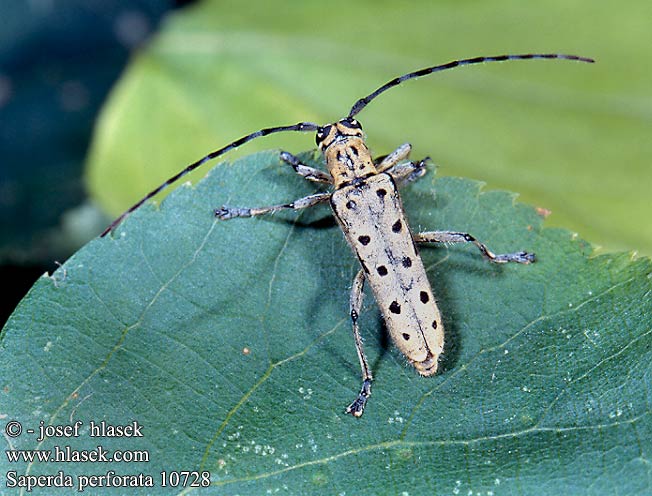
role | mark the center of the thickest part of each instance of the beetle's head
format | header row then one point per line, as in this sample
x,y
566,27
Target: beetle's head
x,y
330,133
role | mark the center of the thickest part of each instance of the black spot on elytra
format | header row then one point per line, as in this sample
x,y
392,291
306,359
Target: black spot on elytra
x,y
434,324
395,307
351,204
364,240
397,226
424,297
381,193
406,336
382,270
354,150
407,262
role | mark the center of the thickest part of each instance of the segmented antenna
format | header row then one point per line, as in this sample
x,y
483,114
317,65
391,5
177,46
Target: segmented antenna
x,y
362,103
301,126
357,107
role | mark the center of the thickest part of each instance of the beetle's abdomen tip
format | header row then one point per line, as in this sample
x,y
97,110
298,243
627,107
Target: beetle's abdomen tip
x,y
428,367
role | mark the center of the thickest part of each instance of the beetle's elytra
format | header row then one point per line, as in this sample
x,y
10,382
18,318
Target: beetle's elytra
x,y
366,203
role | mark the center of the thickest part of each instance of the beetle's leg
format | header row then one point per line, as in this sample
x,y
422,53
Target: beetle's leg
x,y
226,212
406,172
309,173
389,161
402,172
459,237
357,407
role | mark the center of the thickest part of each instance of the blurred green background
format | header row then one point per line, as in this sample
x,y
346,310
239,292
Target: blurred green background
x,y
572,138
58,61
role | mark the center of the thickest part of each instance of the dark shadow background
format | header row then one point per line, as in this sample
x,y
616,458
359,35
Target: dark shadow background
x,y
58,61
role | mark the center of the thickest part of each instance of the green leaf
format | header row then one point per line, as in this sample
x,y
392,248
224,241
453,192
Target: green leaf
x,y
572,138
229,342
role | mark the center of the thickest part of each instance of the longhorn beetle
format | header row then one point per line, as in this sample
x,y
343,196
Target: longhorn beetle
x,y
367,206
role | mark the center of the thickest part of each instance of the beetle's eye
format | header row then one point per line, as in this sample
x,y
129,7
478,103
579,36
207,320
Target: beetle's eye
x,y
322,133
351,123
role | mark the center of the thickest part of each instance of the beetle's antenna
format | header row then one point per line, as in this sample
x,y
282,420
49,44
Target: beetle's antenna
x,y
362,103
301,126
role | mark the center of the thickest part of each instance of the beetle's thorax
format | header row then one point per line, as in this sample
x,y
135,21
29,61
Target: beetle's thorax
x,y
347,157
